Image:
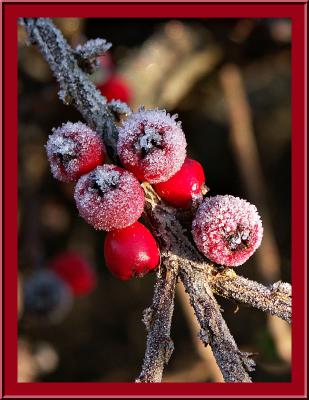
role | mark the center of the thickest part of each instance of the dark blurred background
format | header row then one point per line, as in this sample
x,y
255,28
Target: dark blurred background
x,y
229,82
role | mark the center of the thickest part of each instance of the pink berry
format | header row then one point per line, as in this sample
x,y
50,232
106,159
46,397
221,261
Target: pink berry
x,y
227,230
131,252
76,271
184,186
152,145
109,198
73,150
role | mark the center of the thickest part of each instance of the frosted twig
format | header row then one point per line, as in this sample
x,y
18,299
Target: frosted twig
x,y
158,318
233,364
86,54
275,299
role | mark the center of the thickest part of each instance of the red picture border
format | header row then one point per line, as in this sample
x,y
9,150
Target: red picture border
x,y
297,12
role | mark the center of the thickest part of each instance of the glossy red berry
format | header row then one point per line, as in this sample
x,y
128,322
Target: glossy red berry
x,y
73,150
76,271
109,198
152,145
131,252
227,229
183,187
115,88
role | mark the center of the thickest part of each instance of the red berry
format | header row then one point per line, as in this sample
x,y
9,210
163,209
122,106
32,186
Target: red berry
x,y
227,229
152,145
131,252
184,186
76,271
115,88
109,198
73,150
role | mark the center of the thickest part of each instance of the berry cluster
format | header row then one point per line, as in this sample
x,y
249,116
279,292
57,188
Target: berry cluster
x,y
151,147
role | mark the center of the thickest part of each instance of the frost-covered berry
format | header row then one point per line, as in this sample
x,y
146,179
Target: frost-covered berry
x,y
227,229
109,198
47,296
152,145
131,252
185,186
74,149
75,270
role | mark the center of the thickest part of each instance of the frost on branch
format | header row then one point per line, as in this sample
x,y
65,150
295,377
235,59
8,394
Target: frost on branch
x,y
119,109
276,299
158,318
